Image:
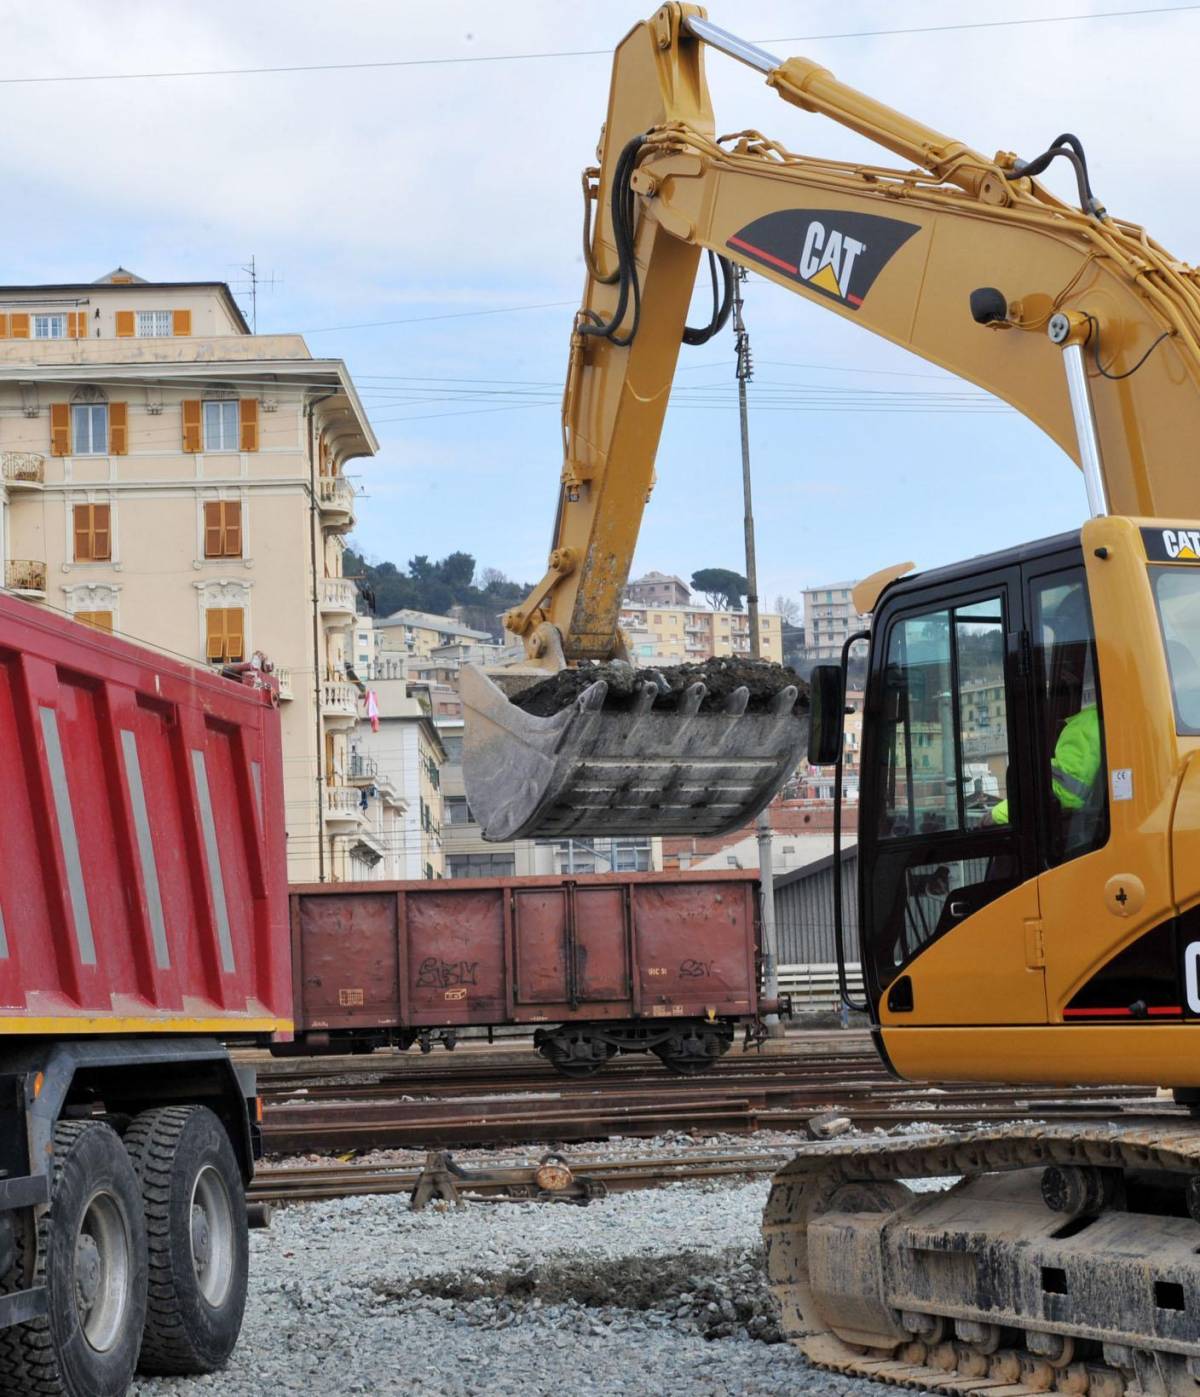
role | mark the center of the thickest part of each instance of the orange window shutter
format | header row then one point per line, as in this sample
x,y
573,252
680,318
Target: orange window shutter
x,y
18,324
233,529
82,525
101,533
100,620
191,424
60,429
212,529
235,633
3,325
125,324
249,417
118,429
181,322
214,640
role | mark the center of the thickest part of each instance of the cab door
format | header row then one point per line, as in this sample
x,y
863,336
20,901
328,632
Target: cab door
x,y
948,888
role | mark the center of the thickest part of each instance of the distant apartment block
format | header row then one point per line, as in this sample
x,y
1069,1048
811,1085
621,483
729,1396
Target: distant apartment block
x,y
681,634
170,476
418,634
829,618
659,589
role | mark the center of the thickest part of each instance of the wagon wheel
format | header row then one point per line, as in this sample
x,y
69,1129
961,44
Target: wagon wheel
x,y
686,1066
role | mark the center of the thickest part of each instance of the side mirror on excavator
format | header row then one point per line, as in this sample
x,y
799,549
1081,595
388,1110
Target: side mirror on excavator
x,y
827,714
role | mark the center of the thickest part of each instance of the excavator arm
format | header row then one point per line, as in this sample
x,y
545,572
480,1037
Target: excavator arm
x,y
1080,321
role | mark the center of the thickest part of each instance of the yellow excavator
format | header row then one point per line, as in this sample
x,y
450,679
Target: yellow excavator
x,y
1029,812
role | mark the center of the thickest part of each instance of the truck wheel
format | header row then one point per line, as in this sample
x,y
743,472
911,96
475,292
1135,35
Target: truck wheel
x,y
196,1233
92,1260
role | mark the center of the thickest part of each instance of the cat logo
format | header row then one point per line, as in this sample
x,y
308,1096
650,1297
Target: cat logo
x,y
1178,545
832,251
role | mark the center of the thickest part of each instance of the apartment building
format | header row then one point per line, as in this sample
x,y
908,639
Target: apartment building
x,y
408,747
659,589
829,618
681,634
417,634
167,475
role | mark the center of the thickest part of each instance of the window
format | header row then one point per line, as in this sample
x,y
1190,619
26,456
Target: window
x,y
154,324
225,634
458,812
1177,592
100,620
630,856
92,526
50,327
221,425
89,429
453,744
223,529
482,865
1069,736
941,772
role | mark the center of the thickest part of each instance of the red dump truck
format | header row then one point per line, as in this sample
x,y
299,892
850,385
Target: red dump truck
x,y
143,920
145,925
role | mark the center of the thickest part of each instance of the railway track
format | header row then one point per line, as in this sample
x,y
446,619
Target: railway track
x,y
313,1183
476,1101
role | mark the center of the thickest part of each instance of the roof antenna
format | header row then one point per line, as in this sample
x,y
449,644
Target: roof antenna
x,y
253,281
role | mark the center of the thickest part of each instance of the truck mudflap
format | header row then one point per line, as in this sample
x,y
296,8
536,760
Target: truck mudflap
x,y
593,770
1063,1259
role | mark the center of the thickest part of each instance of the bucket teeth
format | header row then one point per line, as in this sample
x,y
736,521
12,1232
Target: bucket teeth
x,y
643,700
784,701
693,696
735,704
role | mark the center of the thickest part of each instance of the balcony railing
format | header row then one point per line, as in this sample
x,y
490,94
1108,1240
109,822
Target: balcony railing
x,y
363,768
24,575
343,805
22,467
283,677
339,699
338,596
335,496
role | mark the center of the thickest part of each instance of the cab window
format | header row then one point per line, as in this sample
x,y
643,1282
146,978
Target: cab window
x,y
945,752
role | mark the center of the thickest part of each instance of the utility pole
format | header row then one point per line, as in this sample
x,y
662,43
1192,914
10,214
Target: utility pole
x,y
745,371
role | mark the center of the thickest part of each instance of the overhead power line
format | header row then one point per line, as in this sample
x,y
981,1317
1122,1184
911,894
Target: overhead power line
x,y
575,53
450,315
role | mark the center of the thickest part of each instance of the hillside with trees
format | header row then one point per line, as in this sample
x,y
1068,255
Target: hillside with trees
x,y
437,587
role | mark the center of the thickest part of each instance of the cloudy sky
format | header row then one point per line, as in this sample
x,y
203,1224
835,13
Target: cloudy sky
x,y
395,203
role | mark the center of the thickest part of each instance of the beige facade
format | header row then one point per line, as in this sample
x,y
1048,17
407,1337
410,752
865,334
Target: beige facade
x,y
829,618
417,634
683,634
658,589
171,477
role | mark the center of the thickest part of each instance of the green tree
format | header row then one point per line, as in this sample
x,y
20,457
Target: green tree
x,y
722,589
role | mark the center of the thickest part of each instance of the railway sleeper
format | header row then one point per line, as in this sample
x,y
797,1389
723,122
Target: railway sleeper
x,y
685,1046
1080,1273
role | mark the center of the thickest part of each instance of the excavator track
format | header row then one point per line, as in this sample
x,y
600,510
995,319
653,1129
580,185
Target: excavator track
x,y
983,1287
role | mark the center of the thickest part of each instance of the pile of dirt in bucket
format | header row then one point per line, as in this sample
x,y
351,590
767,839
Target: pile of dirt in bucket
x,y
720,676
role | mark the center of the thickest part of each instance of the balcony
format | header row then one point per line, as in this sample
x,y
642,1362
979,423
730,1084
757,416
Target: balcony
x,y
364,770
25,577
283,677
22,467
338,600
339,702
343,809
335,499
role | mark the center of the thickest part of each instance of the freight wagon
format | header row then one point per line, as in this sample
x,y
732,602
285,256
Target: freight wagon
x,y
143,919
596,965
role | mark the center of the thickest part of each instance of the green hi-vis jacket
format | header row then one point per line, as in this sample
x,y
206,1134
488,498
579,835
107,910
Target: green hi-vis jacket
x,y
1075,766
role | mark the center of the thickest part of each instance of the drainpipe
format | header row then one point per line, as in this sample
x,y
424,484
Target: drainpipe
x,y
313,530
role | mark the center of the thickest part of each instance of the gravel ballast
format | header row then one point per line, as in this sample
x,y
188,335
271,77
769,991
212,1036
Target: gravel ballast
x,y
639,1293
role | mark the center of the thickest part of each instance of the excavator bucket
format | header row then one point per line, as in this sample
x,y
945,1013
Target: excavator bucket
x,y
697,768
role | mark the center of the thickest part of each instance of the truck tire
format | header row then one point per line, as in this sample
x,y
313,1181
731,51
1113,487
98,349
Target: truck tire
x,y
197,1238
92,1260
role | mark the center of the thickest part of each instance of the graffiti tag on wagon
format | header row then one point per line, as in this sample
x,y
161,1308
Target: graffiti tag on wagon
x,y
436,974
695,969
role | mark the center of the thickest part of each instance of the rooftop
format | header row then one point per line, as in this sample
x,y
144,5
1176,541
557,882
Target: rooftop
x,y
119,277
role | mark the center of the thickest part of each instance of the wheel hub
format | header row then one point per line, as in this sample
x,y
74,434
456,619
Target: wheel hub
x,y
201,1239
87,1272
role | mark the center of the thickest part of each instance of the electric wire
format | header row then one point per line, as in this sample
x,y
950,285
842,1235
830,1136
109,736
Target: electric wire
x,y
471,59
